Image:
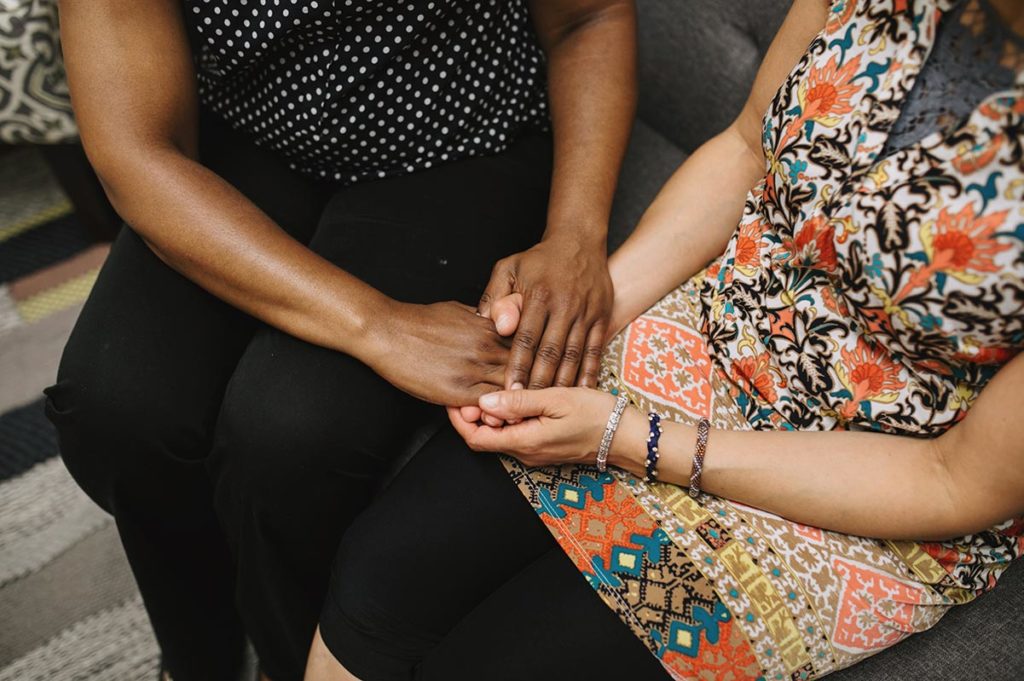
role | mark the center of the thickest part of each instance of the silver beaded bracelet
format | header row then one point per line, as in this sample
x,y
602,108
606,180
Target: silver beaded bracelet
x,y
609,432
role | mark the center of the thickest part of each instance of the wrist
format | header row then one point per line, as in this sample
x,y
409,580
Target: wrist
x,y
371,327
582,236
629,446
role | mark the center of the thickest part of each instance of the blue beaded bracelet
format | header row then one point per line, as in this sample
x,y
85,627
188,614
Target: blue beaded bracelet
x,y
651,474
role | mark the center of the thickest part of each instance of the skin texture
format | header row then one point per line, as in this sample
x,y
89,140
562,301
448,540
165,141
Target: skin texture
x,y
133,86
869,484
322,665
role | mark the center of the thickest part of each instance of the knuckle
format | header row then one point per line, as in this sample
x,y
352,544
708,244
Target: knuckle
x,y
526,340
549,353
537,384
572,354
572,303
540,293
563,382
519,369
594,352
485,297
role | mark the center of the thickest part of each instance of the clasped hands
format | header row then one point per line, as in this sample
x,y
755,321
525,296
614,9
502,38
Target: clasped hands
x,y
555,310
542,321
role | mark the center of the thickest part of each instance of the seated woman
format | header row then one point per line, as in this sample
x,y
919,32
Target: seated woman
x,y
871,296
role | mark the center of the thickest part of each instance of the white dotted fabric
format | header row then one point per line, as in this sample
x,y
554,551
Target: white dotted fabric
x,y
349,90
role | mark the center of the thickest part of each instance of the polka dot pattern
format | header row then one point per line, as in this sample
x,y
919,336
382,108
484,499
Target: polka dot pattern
x,y
348,90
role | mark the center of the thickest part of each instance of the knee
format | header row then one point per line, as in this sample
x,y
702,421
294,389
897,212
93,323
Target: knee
x,y
378,615
370,576
113,431
298,418
282,443
263,451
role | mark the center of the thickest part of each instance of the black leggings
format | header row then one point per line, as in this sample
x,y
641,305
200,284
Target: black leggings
x,y
451,575
232,455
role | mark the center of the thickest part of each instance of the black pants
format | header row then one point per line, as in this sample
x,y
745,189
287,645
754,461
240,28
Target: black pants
x,y
233,456
451,575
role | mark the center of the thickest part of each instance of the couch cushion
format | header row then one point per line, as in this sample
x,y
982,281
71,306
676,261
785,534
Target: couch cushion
x,y
34,104
697,61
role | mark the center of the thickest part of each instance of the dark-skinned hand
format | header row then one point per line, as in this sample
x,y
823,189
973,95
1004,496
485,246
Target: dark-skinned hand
x,y
443,353
566,300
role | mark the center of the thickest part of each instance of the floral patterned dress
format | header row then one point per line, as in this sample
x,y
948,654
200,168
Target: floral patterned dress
x,y
860,290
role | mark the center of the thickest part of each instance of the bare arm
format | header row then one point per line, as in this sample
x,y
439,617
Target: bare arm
x,y
134,93
564,281
133,89
868,484
692,218
591,50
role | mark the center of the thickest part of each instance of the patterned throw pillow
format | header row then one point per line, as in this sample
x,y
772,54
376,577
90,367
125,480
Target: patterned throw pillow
x,y
34,103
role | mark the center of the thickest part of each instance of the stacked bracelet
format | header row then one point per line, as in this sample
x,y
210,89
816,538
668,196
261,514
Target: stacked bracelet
x,y
609,432
703,429
651,473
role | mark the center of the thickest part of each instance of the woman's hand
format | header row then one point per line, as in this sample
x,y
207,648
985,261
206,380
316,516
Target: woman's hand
x,y
565,296
558,425
442,353
506,313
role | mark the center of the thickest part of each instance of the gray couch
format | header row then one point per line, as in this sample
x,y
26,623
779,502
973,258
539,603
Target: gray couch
x,y
697,60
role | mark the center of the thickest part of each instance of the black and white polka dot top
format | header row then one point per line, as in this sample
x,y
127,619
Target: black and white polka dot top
x,y
355,89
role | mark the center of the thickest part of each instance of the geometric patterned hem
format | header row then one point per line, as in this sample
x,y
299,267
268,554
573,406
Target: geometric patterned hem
x,y
700,583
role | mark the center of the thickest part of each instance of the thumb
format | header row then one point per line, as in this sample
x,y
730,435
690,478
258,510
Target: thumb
x,y
516,404
505,312
499,286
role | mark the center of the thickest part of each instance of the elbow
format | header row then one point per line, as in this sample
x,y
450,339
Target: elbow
x,y
748,128
119,166
595,15
747,151
956,507
110,161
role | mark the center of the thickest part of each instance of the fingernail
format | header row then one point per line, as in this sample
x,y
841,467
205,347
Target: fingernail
x,y
489,401
517,386
503,320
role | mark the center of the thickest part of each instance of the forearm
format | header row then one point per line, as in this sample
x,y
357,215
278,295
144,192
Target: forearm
x,y
866,484
133,86
204,228
688,224
592,94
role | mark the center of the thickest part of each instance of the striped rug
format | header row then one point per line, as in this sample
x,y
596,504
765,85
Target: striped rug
x,y
69,608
